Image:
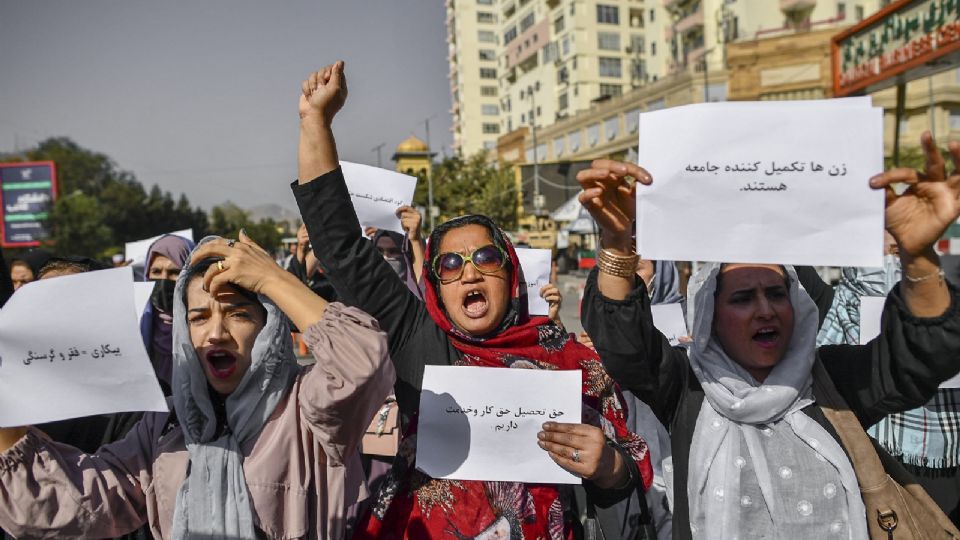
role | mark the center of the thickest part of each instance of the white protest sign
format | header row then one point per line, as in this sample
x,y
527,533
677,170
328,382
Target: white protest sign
x,y
137,251
871,311
479,423
762,183
71,347
377,193
668,319
142,291
536,272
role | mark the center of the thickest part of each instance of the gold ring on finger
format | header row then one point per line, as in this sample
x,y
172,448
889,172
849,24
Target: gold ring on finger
x,y
220,266
575,455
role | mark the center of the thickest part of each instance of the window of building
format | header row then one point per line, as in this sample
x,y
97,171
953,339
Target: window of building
x,y
485,2
526,21
653,48
636,44
656,105
573,140
558,147
841,11
538,111
636,18
563,75
509,10
486,17
541,152
653,15
528,155
612,90
593,134
610,126
510,35
566,45
573,7
488,73
904,126
491,129
610,67
490,145
632,120
858,10
563,102
488,54
490,109
558,24
608,41
955,120
488,91
523,118
608,14
486,36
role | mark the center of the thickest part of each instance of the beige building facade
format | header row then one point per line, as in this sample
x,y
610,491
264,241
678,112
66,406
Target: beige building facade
x,y
473,49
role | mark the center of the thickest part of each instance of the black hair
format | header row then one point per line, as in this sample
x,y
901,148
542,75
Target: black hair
x,y
716,291
71,264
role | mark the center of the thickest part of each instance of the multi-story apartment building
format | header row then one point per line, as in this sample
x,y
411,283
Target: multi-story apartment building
x,y
473,34
546,60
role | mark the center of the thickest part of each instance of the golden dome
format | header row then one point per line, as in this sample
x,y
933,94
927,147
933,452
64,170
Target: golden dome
x,y
412,144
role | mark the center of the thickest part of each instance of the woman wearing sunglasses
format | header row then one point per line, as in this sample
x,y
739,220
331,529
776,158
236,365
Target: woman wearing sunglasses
x,y
473,314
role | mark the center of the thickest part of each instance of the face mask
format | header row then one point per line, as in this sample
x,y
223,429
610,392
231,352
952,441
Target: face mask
x,y
398,267
162,296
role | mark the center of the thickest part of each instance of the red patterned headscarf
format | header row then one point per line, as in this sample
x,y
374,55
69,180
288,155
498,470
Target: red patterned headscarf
x,y
413,505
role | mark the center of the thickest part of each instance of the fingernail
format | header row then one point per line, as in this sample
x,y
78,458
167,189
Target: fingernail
x,y
541,444
243,231
541,435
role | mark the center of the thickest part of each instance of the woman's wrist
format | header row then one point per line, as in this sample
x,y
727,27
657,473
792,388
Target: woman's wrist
x,y
616,475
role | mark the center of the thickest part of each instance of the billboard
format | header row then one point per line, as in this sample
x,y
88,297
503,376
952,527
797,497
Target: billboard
x,y
906,40
27,192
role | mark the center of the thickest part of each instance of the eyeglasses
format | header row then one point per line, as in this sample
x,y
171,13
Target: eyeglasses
x,y
448,267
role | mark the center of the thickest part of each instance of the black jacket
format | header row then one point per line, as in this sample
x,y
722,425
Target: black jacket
x,y
899,370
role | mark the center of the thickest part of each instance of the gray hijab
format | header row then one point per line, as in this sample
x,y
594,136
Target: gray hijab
x,y
665,288
746,431
213,501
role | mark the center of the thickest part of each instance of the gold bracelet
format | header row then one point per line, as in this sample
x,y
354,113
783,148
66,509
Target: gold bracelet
x,y
610,263
939,273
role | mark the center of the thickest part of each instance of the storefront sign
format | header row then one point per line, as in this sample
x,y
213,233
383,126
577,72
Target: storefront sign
x,y
897,44
27,192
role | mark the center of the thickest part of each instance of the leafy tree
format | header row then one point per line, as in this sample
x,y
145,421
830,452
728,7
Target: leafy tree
x,y
227,219
472,186
103,206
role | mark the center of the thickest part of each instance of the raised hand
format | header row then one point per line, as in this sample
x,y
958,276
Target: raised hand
x,y
242,263
323,93
410,220
551,293
918,217
610,198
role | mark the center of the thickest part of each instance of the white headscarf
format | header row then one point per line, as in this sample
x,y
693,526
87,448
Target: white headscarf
x,y
736,408
213,501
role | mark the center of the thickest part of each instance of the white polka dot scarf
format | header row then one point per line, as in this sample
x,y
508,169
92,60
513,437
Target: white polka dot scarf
x,y
736,405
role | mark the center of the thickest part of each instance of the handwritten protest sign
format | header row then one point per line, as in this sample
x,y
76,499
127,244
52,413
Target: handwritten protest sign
x,y
481,423
762,182
137,251
668,319
71,347
377,193
536,271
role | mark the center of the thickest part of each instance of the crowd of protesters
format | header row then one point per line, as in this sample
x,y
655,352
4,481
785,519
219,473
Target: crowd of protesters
x,y
726,434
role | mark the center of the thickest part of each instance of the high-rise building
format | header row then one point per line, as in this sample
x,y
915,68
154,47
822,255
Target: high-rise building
x,y
472,36
545,60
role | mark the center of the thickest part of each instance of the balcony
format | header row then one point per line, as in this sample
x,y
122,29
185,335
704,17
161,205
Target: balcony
x,y
673,4
691,21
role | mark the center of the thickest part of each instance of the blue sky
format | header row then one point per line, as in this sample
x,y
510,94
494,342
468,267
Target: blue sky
x,y
200,96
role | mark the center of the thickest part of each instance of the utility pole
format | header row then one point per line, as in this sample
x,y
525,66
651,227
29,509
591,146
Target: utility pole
x,y
430,210
377,150
537,201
